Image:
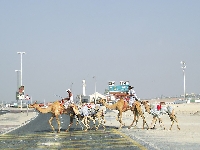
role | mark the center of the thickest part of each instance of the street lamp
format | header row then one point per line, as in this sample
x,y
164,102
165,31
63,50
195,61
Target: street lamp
x,y
71,86
21,53
95,89
17,78
183,67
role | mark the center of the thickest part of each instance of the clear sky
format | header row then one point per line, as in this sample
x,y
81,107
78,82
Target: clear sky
x,y
114,40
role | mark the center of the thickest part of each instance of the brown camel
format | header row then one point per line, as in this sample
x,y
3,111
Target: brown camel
x,y
57,109
122,106
84,119
98,114
137,111
100,117
157,114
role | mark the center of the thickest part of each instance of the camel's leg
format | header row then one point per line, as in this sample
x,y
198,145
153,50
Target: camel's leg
x,y
153,122
50,123
100,121
117,117
173,118
161,123
176,121
94,122
103,122
78,121
71,122
58,121
134,120
86,123
172,122
98,118
120,119
144,121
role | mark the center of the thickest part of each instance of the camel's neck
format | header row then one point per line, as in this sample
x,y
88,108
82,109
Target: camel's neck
x,y
113,106
44,110
147,109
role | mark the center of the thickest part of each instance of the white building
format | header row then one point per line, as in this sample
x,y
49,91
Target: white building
x,y
96,96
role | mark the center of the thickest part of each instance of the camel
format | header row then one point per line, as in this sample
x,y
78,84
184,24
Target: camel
x,y
74,113
99,115
157,115
137,111
57,109
92,113
122,106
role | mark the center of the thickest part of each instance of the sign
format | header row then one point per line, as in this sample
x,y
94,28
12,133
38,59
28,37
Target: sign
x,y
21,89
119,88
111,83
124,82
27,97
20,93
19,96
123,87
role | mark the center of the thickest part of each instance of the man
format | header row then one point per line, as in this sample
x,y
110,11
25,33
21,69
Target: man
x,y
69,99
132,96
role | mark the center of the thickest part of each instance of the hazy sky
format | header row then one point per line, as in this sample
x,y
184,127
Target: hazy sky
x,y
114,40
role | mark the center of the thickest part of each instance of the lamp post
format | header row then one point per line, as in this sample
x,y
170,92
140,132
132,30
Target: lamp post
x,y
71,86
183,67
84,85
17,78
21,53
95,89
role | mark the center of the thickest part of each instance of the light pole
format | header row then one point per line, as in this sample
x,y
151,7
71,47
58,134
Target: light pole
x,y
183,67
84,85
17,78
71,86
21,53
95,89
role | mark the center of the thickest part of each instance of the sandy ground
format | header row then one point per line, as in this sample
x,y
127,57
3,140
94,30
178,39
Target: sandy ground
x,y
11,121
188,137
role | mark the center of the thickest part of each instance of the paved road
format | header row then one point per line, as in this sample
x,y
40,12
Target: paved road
x,y
37,135
3,112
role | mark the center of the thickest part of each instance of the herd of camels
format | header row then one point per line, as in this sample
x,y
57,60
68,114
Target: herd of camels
x,y
98,114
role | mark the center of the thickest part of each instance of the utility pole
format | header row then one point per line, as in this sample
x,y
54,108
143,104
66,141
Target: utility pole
x,y
183,67
21,53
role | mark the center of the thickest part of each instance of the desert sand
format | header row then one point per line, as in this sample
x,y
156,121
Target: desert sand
x,y
188,137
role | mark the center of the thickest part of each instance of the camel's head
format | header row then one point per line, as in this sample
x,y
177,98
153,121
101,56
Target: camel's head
x,y
137,104
146,105
73,106
34,105
102,101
